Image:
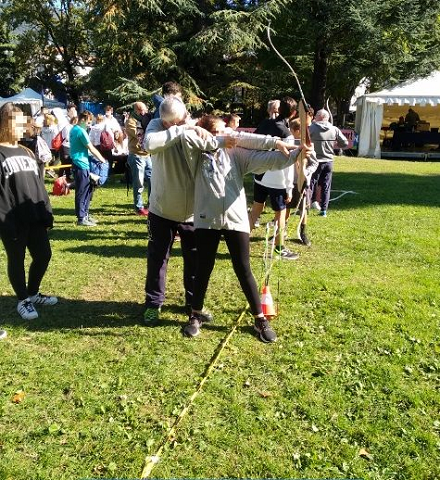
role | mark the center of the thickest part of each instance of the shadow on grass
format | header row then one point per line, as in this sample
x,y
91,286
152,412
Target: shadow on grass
x,y
71,314
379,189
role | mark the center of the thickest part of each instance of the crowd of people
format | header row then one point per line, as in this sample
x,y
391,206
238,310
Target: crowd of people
x,y
202,162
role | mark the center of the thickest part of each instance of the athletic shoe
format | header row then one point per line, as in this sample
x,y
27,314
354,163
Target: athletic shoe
x,y
142,212
92,219
196,320
257,222
305,239
316,206
151,316
40,299
3,334
94,179
323,213
86,222
286,254
266,332
27,310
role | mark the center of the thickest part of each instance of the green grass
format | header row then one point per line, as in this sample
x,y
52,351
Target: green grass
x,y
356,365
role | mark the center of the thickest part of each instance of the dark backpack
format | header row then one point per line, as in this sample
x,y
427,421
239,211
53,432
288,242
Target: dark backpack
x,y
106,141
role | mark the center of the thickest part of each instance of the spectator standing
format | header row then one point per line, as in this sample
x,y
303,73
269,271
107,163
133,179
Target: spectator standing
x,y
139,160
412,119
25,214
232,121
325,137
96,130
80,146
273,107
169,89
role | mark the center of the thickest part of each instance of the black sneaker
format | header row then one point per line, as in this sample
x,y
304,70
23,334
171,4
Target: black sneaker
x,y
196,320
266,332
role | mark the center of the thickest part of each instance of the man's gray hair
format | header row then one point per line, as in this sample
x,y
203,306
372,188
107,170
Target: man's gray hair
x,y
322,115
172,110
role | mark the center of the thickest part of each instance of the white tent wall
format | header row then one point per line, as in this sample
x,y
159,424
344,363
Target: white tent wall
x,y
370,125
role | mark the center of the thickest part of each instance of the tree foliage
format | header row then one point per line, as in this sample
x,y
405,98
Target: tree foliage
x,y
217,49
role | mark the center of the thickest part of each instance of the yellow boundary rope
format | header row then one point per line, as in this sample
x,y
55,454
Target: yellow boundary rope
x,y
151,461
57,167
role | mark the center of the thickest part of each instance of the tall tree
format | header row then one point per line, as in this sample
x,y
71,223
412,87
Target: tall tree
x,y
53,35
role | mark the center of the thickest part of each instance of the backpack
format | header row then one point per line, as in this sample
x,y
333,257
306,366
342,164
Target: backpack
x,y
57,142
42,150
60,186
106,141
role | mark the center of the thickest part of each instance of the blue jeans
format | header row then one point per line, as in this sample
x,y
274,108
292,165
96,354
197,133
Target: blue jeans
x,y
140,167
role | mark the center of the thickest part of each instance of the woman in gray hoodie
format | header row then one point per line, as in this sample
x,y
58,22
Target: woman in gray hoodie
x,y
220,209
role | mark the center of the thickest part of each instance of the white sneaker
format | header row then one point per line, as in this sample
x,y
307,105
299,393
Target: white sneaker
x,y
3,334
27,310
40,299
94,178
316,206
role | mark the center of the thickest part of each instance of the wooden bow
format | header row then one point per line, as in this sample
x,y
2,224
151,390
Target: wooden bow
x,y
301,162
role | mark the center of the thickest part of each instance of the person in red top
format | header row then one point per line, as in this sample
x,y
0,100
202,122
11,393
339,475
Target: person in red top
x,y
25,214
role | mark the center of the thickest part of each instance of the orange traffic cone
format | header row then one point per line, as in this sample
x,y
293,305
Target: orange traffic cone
x,y
267,305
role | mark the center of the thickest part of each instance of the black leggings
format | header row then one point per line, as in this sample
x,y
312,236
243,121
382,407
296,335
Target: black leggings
x,y
35,238
238,244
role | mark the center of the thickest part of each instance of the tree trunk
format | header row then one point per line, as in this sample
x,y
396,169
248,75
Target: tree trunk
x,y
319,79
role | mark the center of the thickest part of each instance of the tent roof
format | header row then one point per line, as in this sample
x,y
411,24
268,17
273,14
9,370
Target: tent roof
x,y
421,91
31,96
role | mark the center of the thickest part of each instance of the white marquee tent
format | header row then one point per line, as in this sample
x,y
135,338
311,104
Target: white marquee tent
x,y
32,98
423,92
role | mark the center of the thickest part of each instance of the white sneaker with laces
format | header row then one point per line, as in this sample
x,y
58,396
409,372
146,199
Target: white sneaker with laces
x,y
40,299
316,206
27,310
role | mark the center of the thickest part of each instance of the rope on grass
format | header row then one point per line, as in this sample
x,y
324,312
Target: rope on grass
x,y
152,460
343,192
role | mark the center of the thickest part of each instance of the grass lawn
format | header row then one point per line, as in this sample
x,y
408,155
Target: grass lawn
x,y
350,390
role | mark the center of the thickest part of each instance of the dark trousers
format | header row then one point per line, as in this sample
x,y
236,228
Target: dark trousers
x,y
83,192
207,242
162,233
33,237
322,177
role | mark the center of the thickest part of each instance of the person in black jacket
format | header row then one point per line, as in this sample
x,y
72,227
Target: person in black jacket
x,y
25,214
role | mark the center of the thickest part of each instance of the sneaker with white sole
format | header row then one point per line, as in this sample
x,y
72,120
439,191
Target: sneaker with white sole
x,y
266,332
85,222
40,299
26,310
196,320
316,206
286,254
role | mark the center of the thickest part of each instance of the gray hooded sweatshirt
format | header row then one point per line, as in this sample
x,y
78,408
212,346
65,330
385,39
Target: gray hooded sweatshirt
x,y
220,199
325,138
